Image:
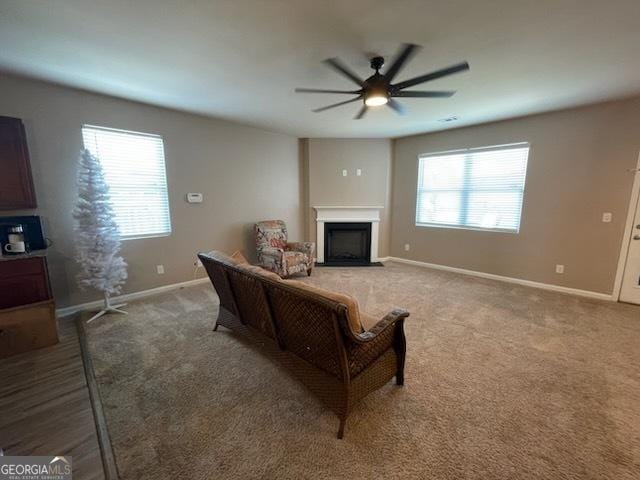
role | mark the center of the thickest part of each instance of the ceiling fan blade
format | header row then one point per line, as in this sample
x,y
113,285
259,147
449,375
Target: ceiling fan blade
x,y
397,106
407,51
316,90
337,65
460,67
361,113
322,109
431,94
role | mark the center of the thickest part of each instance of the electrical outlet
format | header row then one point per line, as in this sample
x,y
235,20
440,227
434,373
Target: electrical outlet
x,y
344,173
407,247
160,269
359,172
607,217
560,269
198,262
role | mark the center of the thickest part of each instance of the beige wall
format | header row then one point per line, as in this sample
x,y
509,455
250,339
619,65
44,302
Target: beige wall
x,y
245,175
577,170
325,160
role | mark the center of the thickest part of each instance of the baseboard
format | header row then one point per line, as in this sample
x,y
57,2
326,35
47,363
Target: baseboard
x,y
127,297
500,278
63,312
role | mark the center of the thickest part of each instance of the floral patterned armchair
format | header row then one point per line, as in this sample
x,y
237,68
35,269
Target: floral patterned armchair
x,y
275,253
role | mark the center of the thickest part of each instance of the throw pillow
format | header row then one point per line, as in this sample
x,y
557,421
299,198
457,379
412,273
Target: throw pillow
x,y
238,257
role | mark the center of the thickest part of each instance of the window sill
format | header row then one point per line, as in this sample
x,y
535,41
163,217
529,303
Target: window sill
x,y
144,237
474,229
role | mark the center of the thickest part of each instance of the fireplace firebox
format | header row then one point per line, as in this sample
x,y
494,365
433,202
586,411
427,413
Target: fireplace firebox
x,y
347,244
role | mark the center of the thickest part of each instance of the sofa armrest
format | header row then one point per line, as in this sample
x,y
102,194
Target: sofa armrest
x,y
387,322
387,334
308,248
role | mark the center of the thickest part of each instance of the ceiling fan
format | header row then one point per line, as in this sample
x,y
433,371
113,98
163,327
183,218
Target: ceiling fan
x,y
378,90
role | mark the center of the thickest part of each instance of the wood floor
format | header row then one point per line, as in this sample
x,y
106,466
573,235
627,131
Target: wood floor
x,y
45,408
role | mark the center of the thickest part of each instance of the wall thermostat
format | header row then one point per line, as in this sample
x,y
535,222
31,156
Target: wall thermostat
x,y
194,197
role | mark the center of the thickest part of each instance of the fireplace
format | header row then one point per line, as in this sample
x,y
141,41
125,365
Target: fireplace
x,y
347,244
345,215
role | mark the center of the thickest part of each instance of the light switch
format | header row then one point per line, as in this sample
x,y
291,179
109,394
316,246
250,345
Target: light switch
x,y
607,217
359,172
344,173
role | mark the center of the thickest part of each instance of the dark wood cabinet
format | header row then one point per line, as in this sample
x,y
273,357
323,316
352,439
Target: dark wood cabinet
x,y
27,310
16,183
27,328
23,281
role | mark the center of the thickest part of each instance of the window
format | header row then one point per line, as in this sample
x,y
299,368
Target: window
x,y
133,165
478,188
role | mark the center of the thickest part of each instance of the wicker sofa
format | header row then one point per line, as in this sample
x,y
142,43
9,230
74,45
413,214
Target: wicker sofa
x,y
339,353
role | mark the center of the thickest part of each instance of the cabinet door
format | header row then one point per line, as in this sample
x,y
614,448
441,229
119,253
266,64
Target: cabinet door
x,y
26,328
16,184
23,281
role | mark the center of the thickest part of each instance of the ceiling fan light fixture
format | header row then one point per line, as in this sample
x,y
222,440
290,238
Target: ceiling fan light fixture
x,y
376,96
376,100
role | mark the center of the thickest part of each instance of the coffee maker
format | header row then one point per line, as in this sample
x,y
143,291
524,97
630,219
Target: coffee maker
x,y
21,234
16,242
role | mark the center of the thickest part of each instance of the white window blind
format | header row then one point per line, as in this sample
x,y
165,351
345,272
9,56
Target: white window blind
x,y
133,165
479,188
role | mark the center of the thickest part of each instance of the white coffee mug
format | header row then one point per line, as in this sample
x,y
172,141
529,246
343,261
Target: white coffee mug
x,y
17,247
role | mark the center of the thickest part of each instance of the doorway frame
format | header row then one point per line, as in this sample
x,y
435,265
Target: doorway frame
x,y
624,248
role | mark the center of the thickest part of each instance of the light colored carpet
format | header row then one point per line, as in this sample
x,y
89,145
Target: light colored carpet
x,y
502,382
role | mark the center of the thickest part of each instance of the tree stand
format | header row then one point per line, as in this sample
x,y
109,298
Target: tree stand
x,y
108,308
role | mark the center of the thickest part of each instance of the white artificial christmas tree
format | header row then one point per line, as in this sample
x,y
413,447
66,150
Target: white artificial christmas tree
x,y
97,235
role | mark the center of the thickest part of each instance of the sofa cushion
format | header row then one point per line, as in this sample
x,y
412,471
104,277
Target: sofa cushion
x,y
368,321
353,312
258,271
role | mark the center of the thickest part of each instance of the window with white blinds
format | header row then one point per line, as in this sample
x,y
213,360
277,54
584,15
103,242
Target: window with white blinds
x,y
478,188
133,165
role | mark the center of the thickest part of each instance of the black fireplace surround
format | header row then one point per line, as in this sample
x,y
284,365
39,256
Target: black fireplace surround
x,y
347,244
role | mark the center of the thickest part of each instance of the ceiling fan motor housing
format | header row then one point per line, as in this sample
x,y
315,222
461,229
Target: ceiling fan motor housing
x,y
377,63
376,86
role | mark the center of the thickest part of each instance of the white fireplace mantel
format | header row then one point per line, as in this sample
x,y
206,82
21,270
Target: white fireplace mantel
x,y
345,214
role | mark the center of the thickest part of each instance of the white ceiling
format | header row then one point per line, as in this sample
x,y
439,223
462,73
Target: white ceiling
x,y
241,59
